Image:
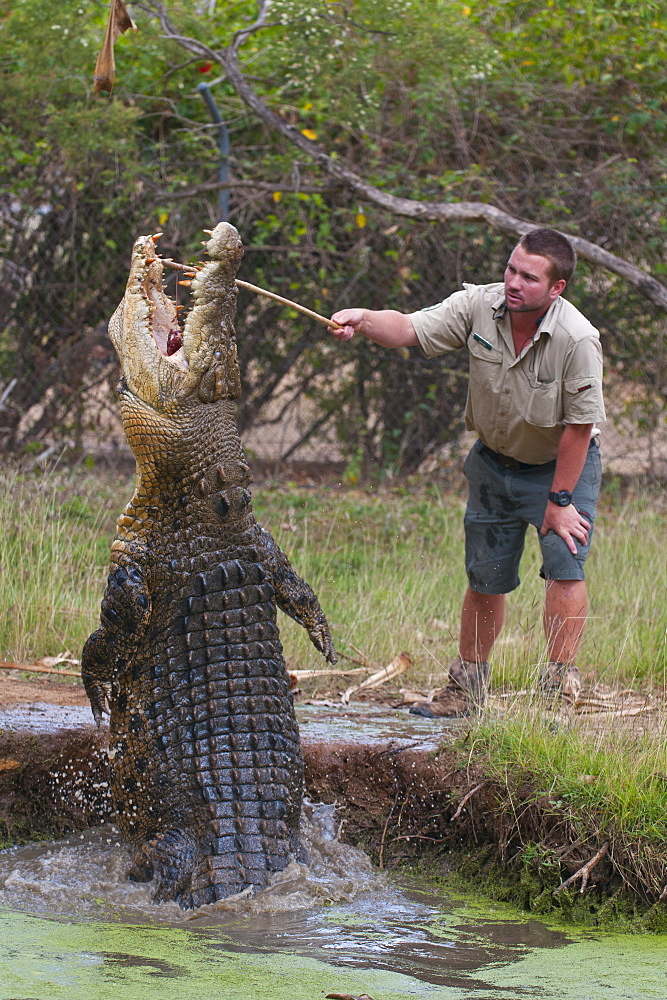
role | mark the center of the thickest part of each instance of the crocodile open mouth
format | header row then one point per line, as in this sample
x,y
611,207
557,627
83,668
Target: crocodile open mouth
x,y
167,315
169,350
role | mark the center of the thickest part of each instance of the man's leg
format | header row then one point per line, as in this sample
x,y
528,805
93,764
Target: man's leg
x,y
494,544
481,621
566,602
565,611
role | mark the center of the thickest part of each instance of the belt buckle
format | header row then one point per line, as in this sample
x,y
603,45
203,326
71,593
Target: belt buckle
x,y
508,463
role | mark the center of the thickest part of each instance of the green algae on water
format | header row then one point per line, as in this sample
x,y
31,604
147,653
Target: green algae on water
x,y
52,960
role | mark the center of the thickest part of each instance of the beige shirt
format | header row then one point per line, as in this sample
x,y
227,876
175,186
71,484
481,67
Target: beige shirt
x,y
518,405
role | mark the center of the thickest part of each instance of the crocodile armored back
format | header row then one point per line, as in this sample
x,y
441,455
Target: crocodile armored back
x,y
206,768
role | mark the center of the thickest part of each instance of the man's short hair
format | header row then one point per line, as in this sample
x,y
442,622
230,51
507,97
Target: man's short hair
x,y
555,247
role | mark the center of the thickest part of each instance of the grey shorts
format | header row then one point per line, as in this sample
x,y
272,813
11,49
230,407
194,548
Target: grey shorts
x,y
502,503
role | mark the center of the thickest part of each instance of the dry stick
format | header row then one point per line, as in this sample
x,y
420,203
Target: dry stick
x,y
418,836
466,798
34,669
288,302
193,269
585,870
373,663
334,671
663,895
384,833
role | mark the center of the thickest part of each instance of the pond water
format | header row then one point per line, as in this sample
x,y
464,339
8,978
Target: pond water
x,y
71,927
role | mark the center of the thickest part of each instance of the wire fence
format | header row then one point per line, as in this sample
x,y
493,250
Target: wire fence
x,y
309,404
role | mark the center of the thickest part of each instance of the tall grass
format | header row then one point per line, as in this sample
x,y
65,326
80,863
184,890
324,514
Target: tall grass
x,y
54,546
387,566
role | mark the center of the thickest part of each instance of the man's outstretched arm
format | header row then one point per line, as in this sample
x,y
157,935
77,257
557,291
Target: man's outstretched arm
x,y
383,326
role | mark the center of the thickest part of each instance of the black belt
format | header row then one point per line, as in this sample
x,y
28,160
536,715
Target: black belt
x,y
506,461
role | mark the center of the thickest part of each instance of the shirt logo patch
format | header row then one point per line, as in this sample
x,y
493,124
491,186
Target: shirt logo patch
x,y
581,388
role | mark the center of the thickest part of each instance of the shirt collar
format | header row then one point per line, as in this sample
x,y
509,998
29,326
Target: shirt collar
x,y
547,322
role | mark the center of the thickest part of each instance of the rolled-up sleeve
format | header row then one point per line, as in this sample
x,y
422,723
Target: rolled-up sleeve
x,y
582,383
443,327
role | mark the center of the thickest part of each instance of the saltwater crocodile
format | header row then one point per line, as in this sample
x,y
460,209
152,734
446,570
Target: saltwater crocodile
x,y
206,768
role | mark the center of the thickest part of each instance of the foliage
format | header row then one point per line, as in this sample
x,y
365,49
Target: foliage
x,y
555,114
614,781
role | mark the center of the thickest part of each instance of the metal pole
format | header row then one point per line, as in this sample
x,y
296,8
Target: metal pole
x,y
223,144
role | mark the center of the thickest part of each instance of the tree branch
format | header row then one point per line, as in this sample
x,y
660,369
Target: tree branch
x,y
462,211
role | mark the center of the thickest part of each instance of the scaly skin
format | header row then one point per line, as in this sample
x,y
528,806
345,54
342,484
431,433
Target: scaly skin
x,y
206,768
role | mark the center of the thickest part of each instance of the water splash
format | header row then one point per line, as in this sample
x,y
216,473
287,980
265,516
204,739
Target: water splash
x,y
83,876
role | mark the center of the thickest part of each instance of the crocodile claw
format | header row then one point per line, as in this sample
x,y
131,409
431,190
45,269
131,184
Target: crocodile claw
x,y
98,696
320,636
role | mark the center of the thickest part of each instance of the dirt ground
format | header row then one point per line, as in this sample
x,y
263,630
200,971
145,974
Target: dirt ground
x,y
18,691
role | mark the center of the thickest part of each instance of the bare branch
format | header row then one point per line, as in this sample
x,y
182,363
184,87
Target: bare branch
x,y
261,22
466,798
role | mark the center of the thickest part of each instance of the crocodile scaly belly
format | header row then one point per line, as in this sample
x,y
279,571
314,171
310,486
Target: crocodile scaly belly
x,y
216,736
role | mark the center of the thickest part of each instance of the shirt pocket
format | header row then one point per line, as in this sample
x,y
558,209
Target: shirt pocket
x,y
485,362
541,404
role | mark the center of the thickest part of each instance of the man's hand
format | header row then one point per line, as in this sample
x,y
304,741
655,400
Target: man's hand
x,y
350,320
568,523
383,326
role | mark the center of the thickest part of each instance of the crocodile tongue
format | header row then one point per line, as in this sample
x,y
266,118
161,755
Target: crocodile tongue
x,y
162,364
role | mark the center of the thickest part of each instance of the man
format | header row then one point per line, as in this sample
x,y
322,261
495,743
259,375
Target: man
x,y
535,395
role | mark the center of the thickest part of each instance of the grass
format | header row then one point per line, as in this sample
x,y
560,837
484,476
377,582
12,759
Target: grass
x,y
615,783
55,531
387,566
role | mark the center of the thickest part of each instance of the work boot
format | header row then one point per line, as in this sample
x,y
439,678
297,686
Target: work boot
x,y
464,695
560,682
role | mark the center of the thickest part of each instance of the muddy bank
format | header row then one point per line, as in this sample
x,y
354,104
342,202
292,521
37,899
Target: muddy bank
x,y
402,800
512,840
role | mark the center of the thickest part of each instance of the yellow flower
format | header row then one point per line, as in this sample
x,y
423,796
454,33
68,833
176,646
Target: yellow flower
x,y
277,196
309,134
162,218
466,11
361,220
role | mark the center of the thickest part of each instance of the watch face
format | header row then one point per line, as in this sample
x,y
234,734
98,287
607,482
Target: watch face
x,y
562,498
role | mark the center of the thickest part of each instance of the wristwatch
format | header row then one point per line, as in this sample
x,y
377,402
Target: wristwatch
x,y
563,498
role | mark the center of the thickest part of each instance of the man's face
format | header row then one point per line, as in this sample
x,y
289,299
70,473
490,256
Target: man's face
x,y
528,283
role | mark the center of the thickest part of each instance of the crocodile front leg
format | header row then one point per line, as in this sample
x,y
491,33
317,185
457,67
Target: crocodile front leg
x,y
296,598
125,613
